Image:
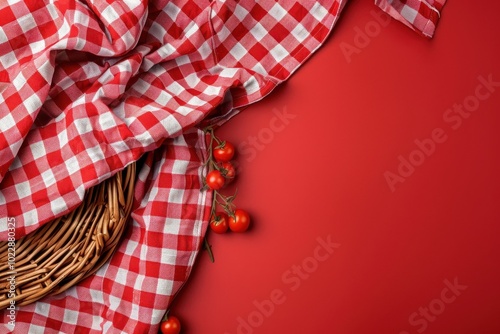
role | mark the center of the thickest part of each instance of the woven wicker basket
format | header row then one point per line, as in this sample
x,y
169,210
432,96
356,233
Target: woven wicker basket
x,y
68,249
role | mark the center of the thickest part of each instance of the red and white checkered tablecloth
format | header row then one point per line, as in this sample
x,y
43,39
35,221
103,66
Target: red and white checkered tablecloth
x,y
87,87
420,15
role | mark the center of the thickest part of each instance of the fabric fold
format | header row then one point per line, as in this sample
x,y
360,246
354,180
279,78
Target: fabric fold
x,y
420,15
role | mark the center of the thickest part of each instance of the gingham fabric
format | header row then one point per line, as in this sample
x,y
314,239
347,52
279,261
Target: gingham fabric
x,y
420,15
87,87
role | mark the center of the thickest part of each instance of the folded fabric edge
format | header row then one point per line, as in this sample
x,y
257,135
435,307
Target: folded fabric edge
x,y
419,15
238,103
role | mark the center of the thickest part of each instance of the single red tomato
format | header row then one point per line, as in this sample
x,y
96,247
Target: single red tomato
x,y
215,180
219,223
224,151
228,170
239,221
171,326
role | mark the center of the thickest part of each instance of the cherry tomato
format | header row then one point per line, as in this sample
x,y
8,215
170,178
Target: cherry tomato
x,y
171,326
239,221
219,223
224,151
228,170
215,180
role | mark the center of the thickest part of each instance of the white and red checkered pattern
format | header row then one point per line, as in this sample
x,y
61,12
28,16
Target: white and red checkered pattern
x,y
87,87
420,15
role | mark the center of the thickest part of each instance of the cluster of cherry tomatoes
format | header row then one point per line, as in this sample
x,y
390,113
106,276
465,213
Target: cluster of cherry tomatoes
x,y
221,172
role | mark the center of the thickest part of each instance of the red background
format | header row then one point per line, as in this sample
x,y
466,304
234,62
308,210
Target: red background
x,y
323,174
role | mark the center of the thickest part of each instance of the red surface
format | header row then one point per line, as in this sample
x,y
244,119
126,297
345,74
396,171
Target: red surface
x,y
323,175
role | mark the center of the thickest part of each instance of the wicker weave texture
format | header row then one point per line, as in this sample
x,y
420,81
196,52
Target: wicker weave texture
x,y
68,249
